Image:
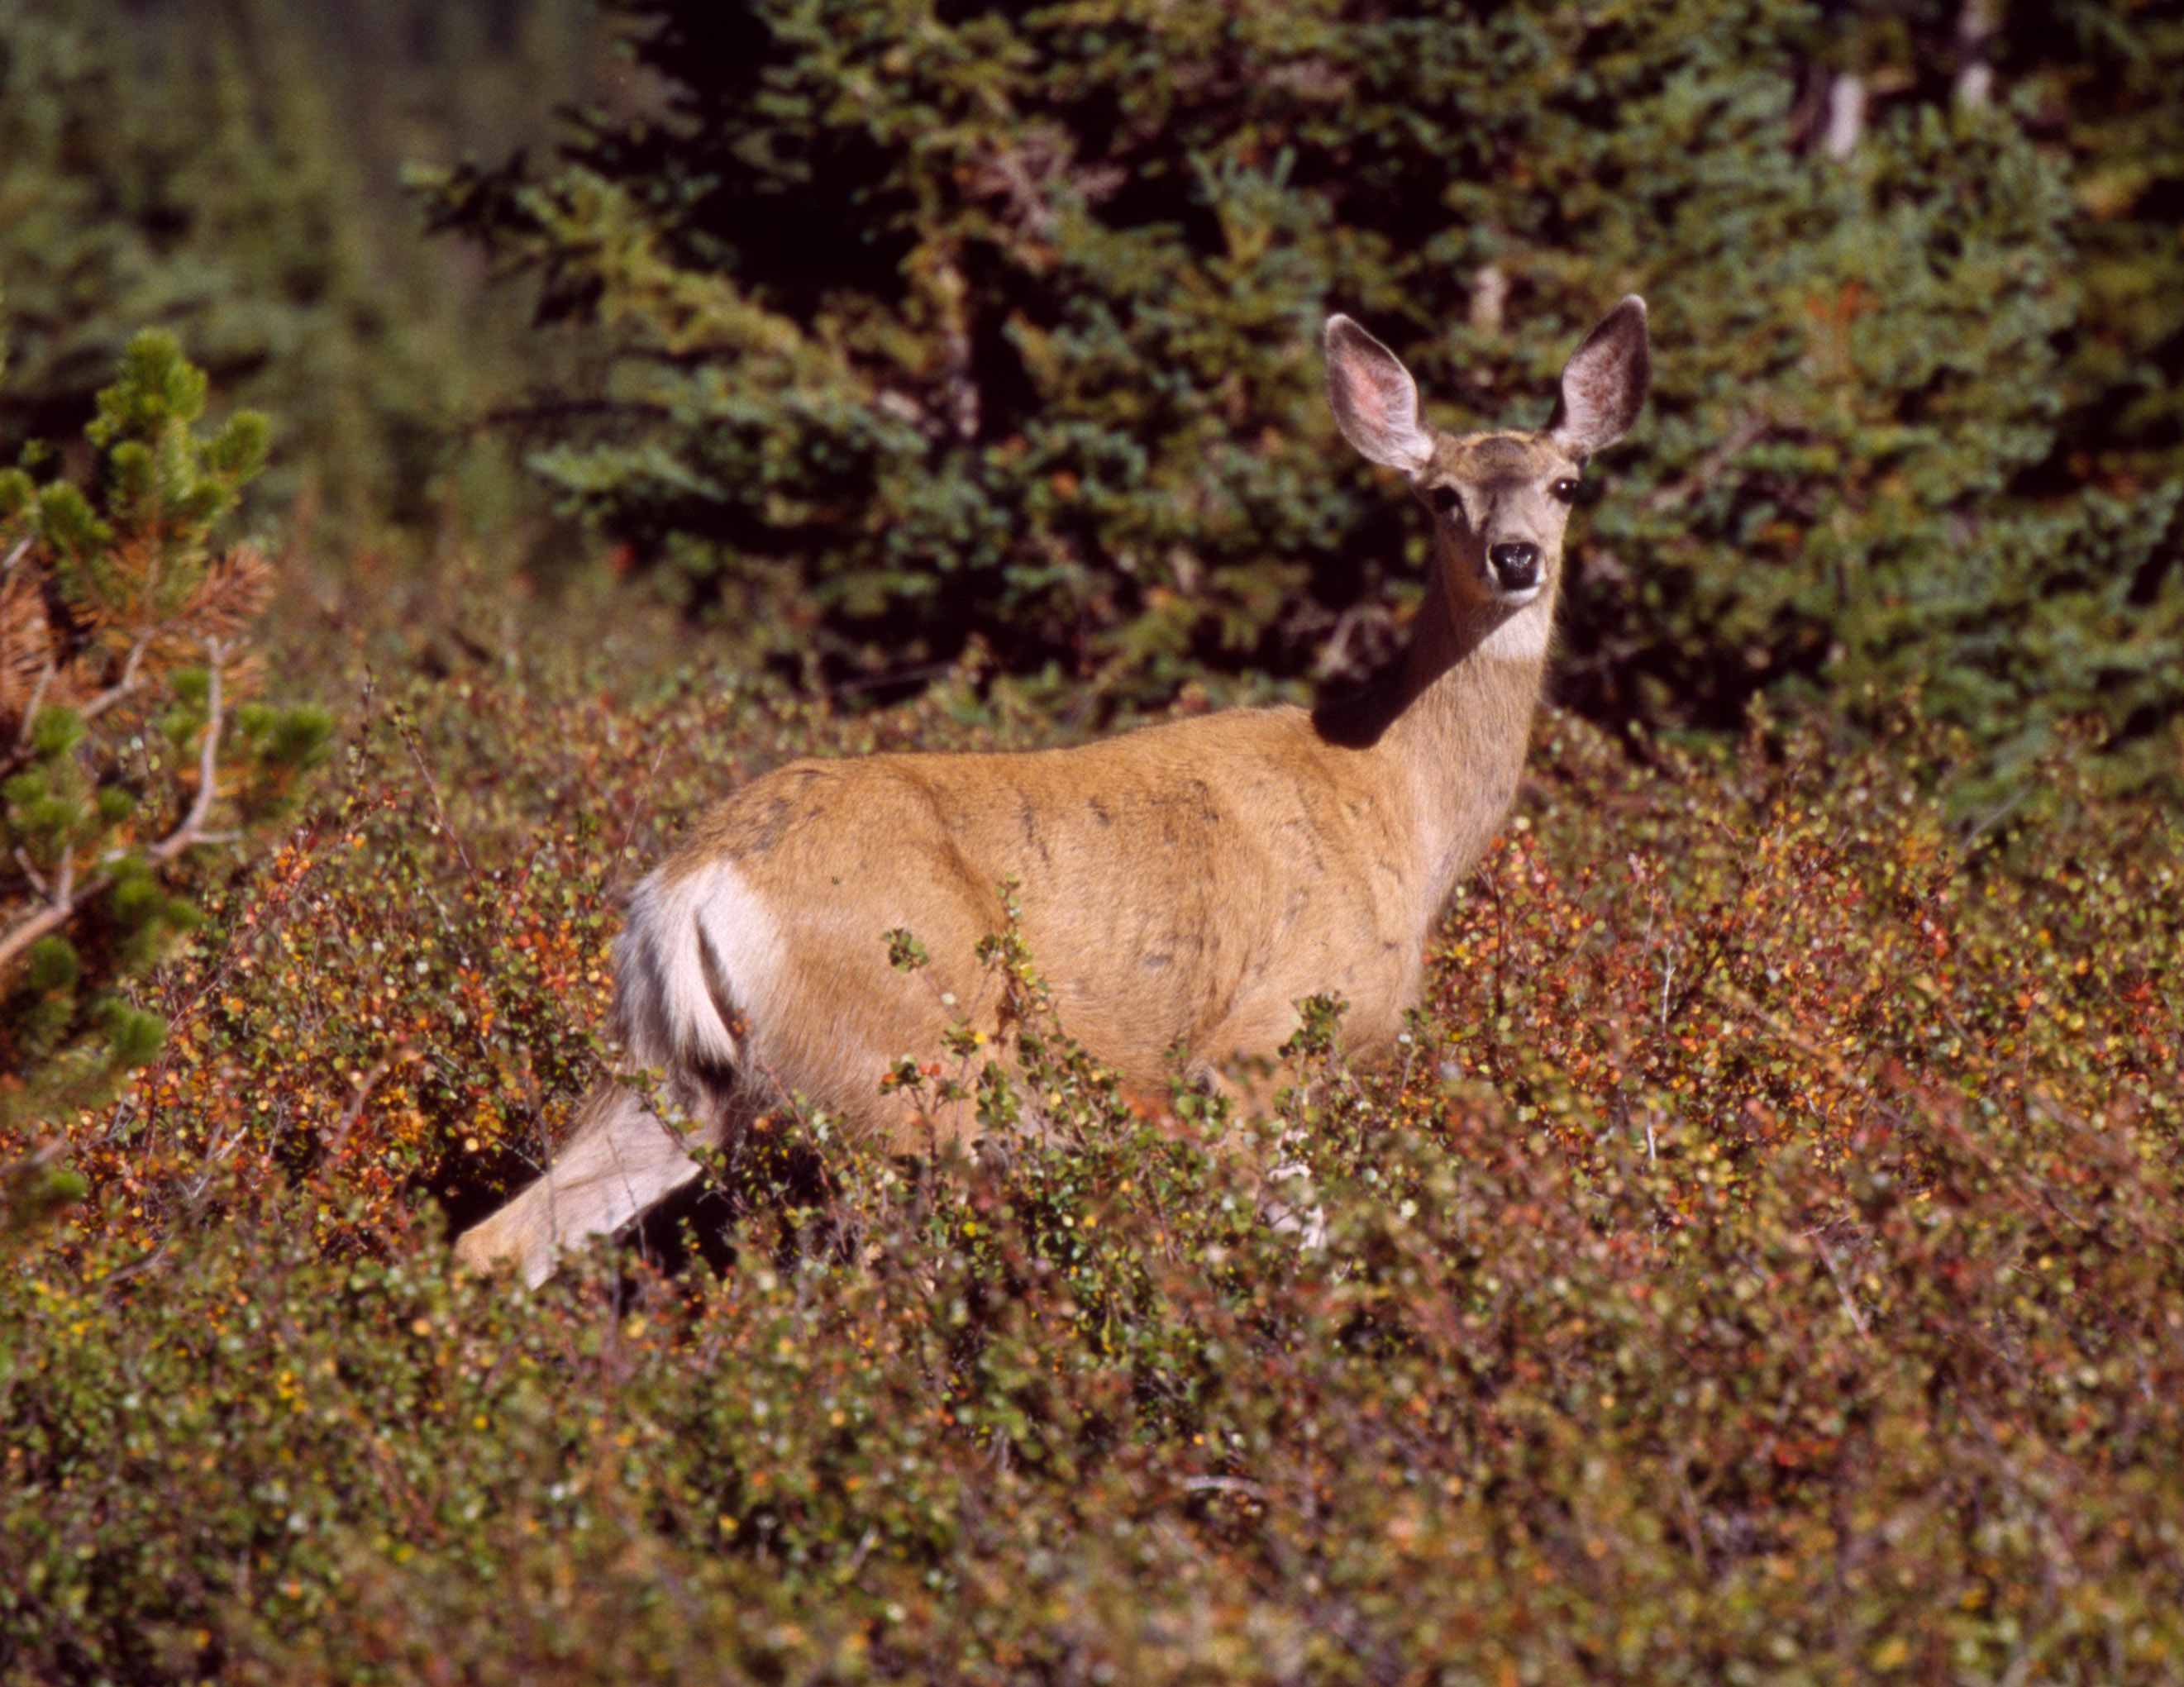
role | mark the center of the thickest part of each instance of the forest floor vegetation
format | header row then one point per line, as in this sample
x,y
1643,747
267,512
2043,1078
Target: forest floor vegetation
x,y
1764,1261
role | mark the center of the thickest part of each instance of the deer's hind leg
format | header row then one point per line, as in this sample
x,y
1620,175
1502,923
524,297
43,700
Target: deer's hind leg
x,y
622,1159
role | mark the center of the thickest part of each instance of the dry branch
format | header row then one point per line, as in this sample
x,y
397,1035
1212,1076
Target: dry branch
x,y
67,896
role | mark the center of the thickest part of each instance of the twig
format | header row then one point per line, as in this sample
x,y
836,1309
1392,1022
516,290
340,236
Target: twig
x,y
1741,437
399,1054
629,831
1996,818
892,676
191,832
127,686
67,896
130,683
53,915
1827,1259
432,790
303,835
1225,1484
21,752
223,1146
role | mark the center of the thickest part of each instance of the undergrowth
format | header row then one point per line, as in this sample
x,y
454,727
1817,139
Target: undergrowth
x,y
1762,1261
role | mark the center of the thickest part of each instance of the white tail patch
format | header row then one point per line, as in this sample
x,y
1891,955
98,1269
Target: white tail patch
x,y
700,955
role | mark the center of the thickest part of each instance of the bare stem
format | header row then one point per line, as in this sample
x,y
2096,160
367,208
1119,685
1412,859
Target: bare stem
x,y
67,896
432,790
21,752
130,683
191,832
400,1055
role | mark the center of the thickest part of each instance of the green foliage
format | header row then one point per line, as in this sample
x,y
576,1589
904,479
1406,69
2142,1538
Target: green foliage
x,y
122,752
163,187
1760,1261
32,1191
985,323
2102,80
229,172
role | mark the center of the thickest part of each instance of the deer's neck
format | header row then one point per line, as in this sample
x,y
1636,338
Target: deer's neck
x,y
1447,725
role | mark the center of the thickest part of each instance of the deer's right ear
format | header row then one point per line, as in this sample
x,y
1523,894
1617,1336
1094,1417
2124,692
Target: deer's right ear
x,y
1375,399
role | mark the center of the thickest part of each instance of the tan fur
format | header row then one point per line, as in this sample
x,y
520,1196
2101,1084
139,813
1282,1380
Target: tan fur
x,y
1181,887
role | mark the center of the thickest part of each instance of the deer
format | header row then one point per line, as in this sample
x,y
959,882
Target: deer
x,y
1181,887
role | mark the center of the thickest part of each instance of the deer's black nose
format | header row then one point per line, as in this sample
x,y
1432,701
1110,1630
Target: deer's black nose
x,y
1516,566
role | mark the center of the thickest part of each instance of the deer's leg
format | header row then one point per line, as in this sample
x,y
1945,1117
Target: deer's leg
x,y
622,1160
1280,1183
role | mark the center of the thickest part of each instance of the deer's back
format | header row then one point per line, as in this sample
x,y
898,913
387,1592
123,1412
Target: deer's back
x,y
1180,887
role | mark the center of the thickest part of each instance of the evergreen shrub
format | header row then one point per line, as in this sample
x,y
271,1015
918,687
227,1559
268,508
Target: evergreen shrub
x,y
130,743
979,322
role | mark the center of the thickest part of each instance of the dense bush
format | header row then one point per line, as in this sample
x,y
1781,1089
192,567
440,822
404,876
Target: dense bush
x,y
130,740
2099,82
936,324
1762,1264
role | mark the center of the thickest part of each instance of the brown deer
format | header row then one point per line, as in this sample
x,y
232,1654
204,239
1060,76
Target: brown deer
x,y
1181,887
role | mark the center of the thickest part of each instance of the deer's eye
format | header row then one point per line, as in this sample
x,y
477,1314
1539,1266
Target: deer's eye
x,y
1442,498
1564,489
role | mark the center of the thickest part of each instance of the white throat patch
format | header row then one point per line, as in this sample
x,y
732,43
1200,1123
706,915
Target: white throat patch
x,y
1523,636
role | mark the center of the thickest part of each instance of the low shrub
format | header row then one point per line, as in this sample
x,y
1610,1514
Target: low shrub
x,y
1761,1262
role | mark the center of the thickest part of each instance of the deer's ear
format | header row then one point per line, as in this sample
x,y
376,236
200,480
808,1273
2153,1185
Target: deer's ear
x,y
1604,383
1375,399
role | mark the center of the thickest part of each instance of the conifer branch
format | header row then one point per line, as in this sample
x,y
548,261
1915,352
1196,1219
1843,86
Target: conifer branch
x,y
54,915
232,596
67,896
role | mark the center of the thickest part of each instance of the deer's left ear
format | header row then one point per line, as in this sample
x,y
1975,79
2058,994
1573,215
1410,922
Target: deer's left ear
x,y
1604,383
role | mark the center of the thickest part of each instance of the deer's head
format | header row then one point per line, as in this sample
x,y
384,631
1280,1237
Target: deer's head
x,y
1500,501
